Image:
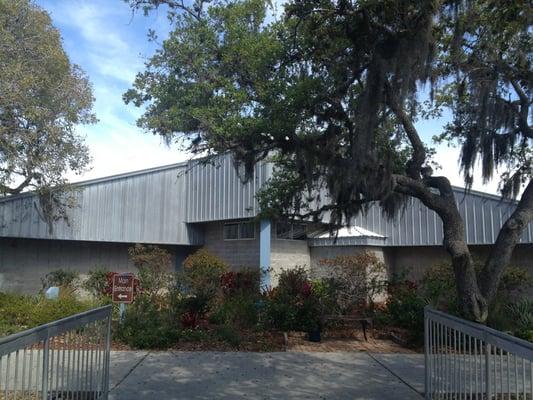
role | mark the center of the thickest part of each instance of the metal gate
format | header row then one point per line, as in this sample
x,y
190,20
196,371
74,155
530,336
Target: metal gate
x,y
64,359
465,360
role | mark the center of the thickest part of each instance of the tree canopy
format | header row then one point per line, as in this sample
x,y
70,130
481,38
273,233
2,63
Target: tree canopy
x,y
333,90
42,98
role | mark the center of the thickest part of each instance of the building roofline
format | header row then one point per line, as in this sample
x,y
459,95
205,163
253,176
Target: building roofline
x,y
145,171
108,178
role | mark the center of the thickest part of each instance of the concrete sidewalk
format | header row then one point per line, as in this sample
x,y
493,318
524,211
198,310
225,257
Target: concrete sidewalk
x,y
240,375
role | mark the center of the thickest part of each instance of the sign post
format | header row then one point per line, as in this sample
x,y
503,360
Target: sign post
x,y
122,292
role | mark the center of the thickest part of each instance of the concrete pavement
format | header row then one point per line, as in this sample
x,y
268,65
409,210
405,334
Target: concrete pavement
x,y
290,375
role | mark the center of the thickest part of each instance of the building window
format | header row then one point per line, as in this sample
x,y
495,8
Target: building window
x,y
239,230
285,230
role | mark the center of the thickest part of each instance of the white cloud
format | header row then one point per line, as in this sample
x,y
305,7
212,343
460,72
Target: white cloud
x,y
448,159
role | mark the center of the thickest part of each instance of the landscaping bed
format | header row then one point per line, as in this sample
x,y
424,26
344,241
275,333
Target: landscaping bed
x,y
208,307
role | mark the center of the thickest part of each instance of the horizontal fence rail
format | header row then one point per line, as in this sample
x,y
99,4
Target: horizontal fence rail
x,y
465,360
63,360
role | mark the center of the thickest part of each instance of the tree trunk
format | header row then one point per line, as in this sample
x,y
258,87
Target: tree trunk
x,y
502,250
474,305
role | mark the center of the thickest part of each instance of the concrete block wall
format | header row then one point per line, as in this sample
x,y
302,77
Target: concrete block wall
x,y
23,262
287,254
238,253
414,261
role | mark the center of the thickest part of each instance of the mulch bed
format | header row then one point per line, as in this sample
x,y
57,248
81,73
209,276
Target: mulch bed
x,y
347,340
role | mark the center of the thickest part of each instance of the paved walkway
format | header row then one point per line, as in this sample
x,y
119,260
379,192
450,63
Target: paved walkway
x,y
290,375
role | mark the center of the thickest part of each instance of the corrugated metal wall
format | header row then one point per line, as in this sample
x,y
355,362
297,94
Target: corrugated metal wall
x,y
216,190
146,207
157,205
418,226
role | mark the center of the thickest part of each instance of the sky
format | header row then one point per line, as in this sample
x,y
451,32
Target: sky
x,y
110,44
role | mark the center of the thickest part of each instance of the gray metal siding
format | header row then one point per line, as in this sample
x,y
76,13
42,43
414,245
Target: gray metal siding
x,y
216,191
147,207
416,225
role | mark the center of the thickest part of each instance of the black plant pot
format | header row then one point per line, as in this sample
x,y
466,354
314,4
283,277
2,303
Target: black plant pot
x,y
314,335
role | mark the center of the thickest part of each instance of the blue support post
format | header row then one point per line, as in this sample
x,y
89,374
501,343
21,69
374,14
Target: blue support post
x,y
264,252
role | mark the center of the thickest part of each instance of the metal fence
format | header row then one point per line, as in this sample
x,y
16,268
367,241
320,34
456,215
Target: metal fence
x,y
465,360
65,359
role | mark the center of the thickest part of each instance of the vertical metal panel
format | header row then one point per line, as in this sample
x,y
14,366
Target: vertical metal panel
x,y
483,214
147,207
219,190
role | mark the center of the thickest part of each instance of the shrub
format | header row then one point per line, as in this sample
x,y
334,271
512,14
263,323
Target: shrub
x,y
201,275
292,305
438,288
358,279
154,267
146,326
63,278
521,317
405,307
18,312
97,283
238,311
228,334
241,283
48,310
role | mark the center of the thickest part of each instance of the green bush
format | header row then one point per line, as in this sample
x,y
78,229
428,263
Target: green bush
x,y
97,282
228,334
154,266
239,311
521,318
18,312
405,308
359,281
245,282
146,326
292,305
63,278
201,275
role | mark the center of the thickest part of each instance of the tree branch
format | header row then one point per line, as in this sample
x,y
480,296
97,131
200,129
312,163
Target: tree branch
x,y
414,165
523,114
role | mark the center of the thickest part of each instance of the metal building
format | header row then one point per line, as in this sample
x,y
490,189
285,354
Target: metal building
x,y
188,205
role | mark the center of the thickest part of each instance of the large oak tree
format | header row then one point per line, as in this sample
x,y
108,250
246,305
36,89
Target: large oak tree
x,y
334,89
43,97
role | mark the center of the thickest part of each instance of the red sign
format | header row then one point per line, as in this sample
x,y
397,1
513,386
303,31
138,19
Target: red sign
x,y
123,288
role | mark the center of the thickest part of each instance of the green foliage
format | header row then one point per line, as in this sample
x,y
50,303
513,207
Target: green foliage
x,y
97,282
147,326
44,98
228,334
405,307
18,312
202,273
438,287
292,305
358,280
238,311
245,282
63,278
521,317
154,266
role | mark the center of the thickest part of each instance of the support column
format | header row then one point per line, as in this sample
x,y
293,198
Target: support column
x,y
264,252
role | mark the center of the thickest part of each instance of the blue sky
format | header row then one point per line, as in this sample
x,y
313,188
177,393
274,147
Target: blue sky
x,y
110,44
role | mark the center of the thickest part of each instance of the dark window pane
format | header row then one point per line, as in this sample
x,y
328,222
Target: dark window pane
x,y
283,230
231,231
247,230
298,232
